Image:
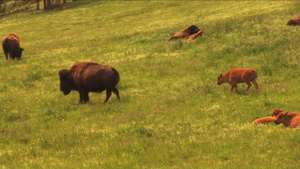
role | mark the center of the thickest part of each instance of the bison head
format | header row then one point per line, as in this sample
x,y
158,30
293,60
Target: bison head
x,y
65,82
280,117
291,22
19,53
220,79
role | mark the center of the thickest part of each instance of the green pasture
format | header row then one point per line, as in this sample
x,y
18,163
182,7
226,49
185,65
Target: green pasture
x,y
172,113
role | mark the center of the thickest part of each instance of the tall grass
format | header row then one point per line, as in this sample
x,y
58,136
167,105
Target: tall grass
x,y
172,113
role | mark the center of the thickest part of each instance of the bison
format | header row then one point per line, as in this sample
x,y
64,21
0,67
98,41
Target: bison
x,y
194,36
88,77
289,120
276,112
11,46
186,32
294,22
264,120
239,75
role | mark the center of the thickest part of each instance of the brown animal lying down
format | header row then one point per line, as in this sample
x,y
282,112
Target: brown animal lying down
x,y
294,22
186,32
11,46
194,36
264,120
239,75
289,120
86,77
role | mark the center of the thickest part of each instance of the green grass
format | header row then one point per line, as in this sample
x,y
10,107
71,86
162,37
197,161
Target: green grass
x,y
172,113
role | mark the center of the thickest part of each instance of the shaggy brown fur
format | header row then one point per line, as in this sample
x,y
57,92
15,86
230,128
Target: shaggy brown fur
x,y
194,36
186,32
11,46
294,22
264,120
238,75
86,77
289,120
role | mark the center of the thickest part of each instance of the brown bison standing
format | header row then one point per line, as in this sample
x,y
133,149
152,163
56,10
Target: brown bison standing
x,y
186,32
11,45
88,77
238,75
294,22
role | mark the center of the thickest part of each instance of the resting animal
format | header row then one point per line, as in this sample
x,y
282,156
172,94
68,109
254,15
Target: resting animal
x,y
294,22
186,32
289,120
194,36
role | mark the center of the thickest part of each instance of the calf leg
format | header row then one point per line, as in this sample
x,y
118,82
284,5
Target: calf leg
x,y
255,84
248,86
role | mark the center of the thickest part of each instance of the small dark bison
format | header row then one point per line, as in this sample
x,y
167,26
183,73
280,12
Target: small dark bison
x,y
294,22
11,46
239,75
186,32
88,77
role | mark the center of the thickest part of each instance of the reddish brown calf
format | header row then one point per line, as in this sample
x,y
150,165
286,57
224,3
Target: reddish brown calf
x,y
239,75
264,120
186,32
294,22
194,36
289,120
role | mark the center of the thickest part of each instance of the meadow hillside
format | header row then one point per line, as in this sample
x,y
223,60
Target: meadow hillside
x,y
172,113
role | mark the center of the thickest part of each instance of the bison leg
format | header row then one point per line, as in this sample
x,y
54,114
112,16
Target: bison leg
x,y
6,55
84,97
236,88
116,91
255,84
248,86
108,94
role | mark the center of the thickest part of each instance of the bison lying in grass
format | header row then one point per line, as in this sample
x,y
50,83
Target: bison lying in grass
x,y
11,46
264,120
289,120
194,36
88,77
235,76
294,22
186,32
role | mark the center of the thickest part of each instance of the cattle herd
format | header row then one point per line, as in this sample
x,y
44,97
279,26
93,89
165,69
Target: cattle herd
x,y
86,77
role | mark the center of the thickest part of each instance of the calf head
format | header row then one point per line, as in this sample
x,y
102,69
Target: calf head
x,y
65,82
220,79
276,112
291,22
281,117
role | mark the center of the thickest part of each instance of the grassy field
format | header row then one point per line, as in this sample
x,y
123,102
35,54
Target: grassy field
x,y
172,113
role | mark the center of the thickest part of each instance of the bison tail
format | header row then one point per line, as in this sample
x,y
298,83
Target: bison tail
x,y
117,76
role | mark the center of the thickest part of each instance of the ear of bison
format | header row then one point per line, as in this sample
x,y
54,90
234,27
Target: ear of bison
x,y
21,49
220,75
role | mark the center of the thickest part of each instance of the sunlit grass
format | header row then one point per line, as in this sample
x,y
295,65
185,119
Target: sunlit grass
x,y
172,114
